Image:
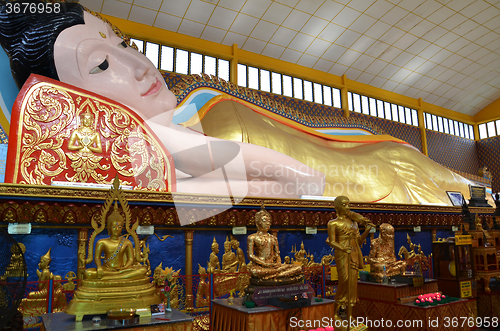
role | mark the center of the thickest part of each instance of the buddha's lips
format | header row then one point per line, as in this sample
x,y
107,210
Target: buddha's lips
x,y
153,89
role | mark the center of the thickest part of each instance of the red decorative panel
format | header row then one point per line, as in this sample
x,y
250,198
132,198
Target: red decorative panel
x,y
60,133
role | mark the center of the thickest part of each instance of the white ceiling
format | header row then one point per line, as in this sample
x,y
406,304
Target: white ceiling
x,y
445,51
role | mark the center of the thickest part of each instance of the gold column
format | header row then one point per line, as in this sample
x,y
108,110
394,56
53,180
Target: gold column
x,y
343,96
83,235
234,65
421,124
188,243
476,131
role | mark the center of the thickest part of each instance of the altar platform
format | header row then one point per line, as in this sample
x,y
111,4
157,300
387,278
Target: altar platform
x,y
385,302
237,317
173,321
488,303
393,292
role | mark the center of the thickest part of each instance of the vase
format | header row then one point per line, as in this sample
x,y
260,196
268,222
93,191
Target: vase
x,y
168,307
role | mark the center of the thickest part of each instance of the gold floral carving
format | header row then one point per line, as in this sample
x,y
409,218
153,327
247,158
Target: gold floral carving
x,y
46,116
51,116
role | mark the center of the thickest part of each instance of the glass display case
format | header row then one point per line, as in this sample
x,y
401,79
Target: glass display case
x,y
453,269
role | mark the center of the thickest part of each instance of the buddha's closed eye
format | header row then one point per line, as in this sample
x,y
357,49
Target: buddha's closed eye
x,y
101,67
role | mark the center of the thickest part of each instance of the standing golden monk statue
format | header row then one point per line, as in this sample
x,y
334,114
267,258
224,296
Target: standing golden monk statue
x,y
344,237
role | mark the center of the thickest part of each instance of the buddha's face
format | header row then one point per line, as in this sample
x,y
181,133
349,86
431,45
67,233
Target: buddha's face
x,y
44,263
387,233
87,119
227,246
215,248
343,208
235,244
91,56
263,223
115,228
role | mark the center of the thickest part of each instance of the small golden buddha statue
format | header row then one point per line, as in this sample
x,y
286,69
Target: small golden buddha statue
x,y
16,267
203,292
36,301
382,254
44,275
85,139
213,263
263,252
240,255
301,255
121,276
229,260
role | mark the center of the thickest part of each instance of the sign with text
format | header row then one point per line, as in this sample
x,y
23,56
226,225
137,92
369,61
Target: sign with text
x,y
477,192
239,230
311,230
463,239
465,289
262,295
19,228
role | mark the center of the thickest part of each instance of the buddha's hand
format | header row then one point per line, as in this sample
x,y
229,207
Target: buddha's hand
x,y
367,223
100,273
347,250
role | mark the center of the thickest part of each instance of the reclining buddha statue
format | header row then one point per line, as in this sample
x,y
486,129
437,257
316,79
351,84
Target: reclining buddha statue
x,y
121,276
256,152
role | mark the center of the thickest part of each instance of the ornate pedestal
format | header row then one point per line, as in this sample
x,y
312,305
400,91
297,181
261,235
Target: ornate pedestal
x,y
237,317
379,302
488,303
393,292
486,263
174,321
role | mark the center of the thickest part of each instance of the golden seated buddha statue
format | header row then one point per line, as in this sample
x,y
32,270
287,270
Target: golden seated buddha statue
x,y
382,254
120,280
263,251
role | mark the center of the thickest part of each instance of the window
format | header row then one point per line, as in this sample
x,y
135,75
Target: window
x,y
153,53
387,109
482,131
308,91
445,125
297,88
265,81
253,78
491,129
274,82
167,58
242,75
373,107
183,61
287,86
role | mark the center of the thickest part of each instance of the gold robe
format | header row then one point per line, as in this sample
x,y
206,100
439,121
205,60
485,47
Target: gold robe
x,y
377,168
